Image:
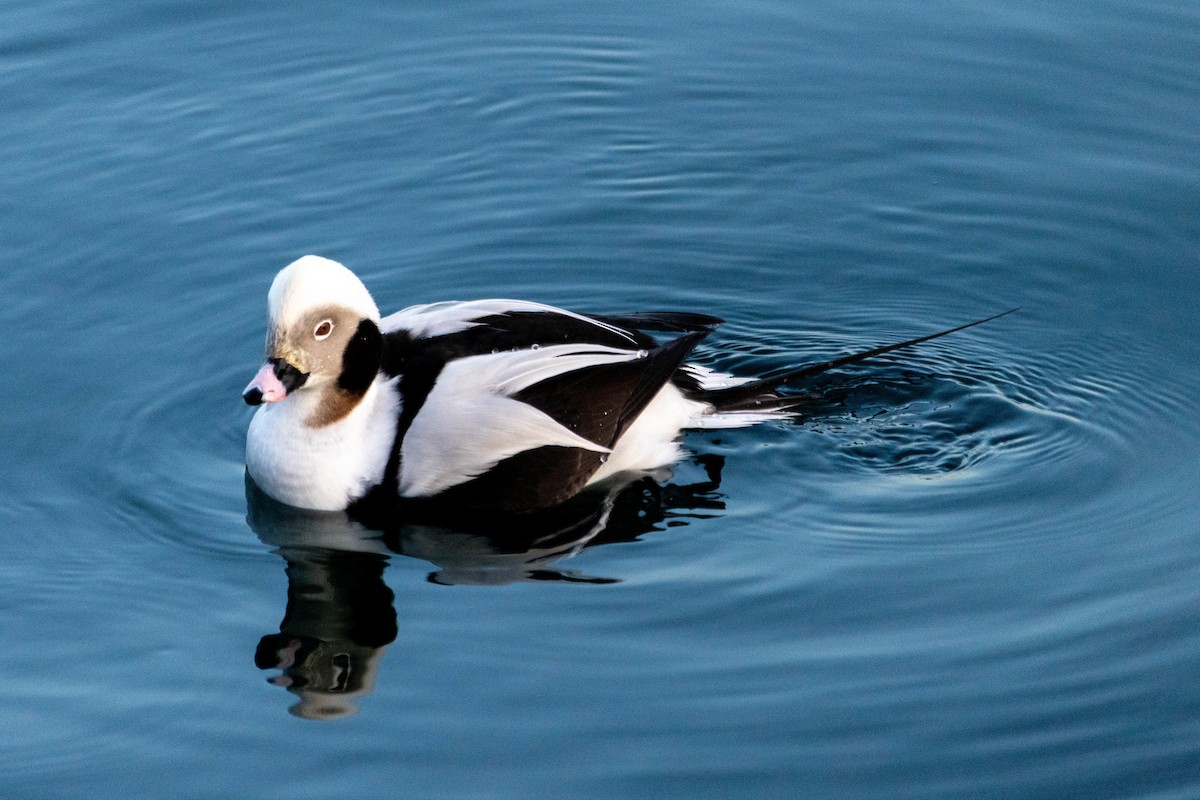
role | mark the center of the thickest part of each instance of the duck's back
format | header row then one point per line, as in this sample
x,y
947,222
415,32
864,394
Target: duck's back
x,y
514,405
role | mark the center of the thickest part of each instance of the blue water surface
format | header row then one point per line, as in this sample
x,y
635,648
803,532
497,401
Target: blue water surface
x,y
973,571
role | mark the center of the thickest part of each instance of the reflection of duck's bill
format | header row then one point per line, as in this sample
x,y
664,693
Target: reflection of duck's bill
x,y
328,677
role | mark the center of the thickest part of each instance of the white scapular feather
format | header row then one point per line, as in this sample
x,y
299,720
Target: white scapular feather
x,y
511,372
469,422
711,379
440,319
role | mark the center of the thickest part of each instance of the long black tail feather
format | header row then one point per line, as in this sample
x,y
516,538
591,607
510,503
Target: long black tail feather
x,y
762,394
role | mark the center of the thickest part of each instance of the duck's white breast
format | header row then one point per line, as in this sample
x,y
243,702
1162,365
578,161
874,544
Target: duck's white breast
x,y
322,468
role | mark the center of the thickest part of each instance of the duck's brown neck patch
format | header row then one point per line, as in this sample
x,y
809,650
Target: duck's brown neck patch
x,y
335,405
361,357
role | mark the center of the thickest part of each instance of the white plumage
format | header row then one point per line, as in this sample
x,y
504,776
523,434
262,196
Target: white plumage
x,y
470,422
326,467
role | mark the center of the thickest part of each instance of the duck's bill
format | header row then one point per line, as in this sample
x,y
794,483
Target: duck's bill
x,y
265,388
273,382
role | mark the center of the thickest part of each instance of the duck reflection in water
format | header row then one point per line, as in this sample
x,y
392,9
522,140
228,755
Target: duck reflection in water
x,y
340,614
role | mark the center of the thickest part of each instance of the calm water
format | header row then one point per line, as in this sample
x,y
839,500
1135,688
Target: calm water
x,y
974,573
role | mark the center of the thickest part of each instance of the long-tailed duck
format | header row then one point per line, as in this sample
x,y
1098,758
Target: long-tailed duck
x,y
486,405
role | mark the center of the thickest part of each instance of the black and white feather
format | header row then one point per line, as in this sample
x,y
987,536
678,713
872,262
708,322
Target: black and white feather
x,y
501,405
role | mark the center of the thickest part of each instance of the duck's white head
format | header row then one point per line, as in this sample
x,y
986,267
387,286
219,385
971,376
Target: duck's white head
x,y
311,282
322,332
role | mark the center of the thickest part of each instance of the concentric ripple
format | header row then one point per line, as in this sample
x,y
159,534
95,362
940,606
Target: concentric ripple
x,y
1032,442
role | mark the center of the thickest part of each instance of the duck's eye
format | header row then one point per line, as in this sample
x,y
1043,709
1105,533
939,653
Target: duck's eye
x,y
323,329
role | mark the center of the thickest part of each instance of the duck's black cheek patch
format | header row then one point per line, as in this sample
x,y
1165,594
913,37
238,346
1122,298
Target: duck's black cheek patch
x,y
361,358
